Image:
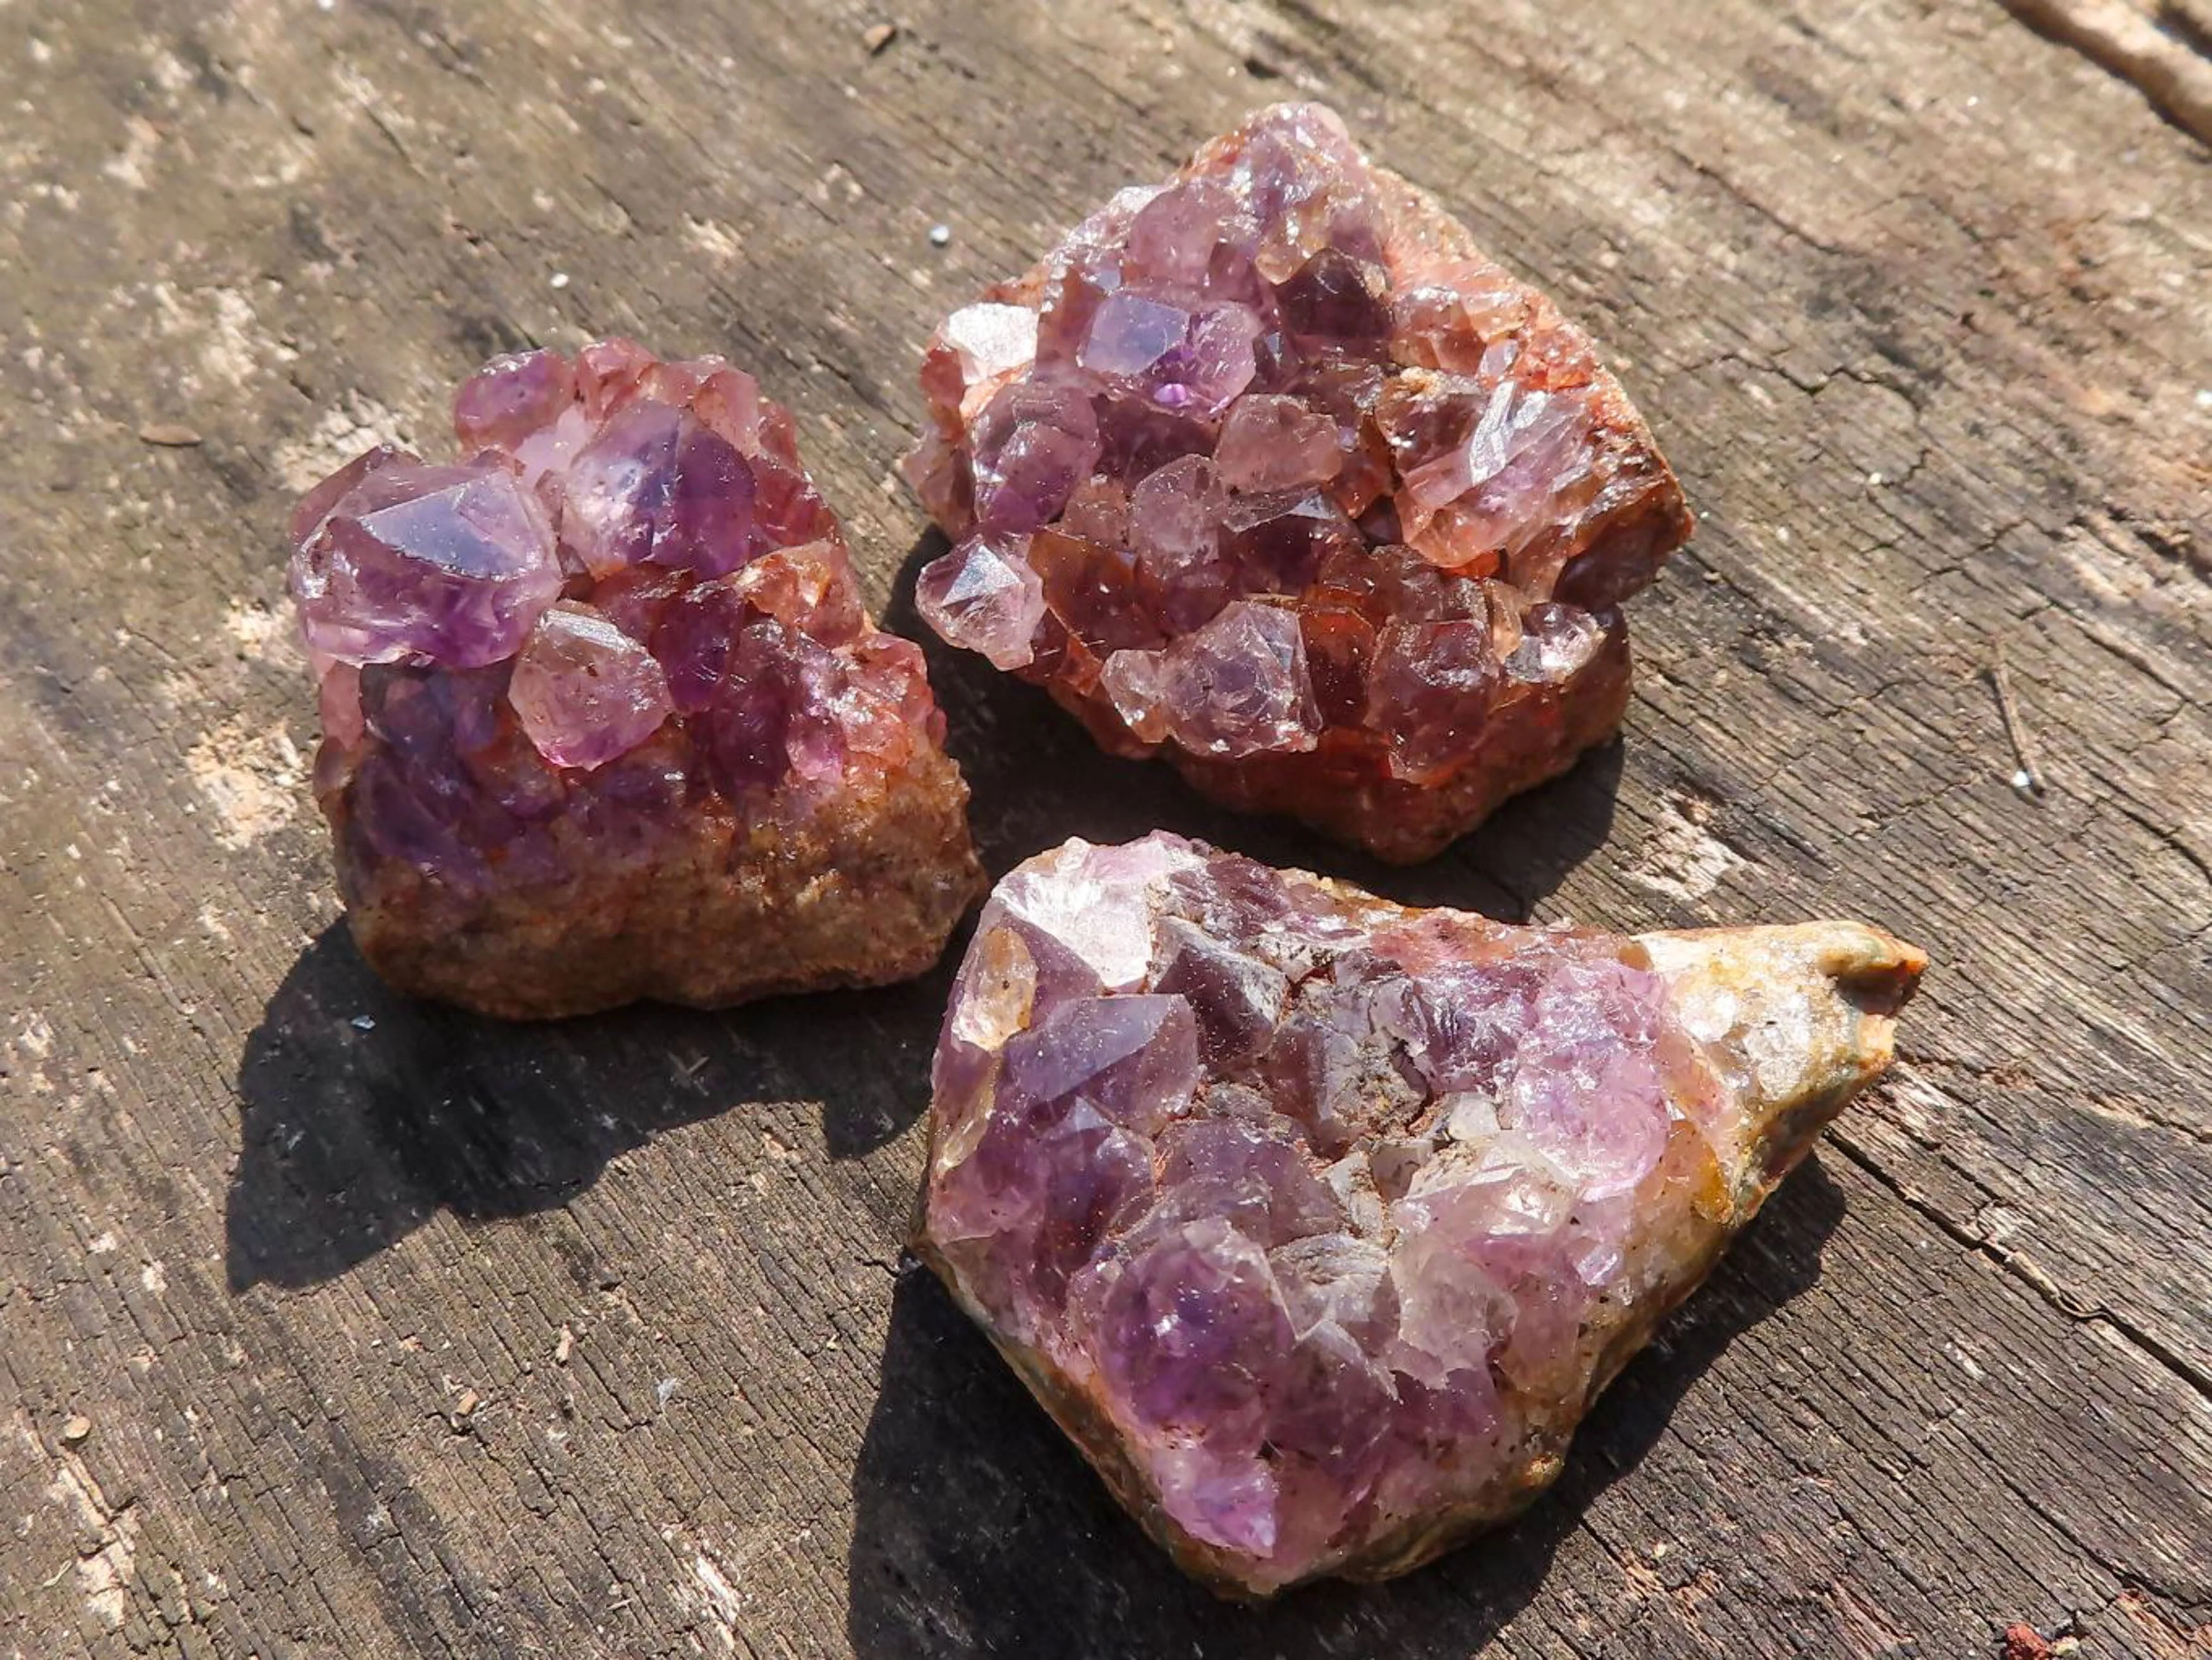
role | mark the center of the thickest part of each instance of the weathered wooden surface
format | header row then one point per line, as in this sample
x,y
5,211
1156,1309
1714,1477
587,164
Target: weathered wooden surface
x,y
332,1325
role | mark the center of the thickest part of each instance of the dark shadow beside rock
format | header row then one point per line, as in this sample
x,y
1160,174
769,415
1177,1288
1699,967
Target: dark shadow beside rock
x,y
364,1112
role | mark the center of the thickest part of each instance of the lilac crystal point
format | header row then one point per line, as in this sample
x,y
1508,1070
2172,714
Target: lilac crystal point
x,y
1034,445
603,716
985,595
1317,1221
512,396
1273,443
655,486
1237,686
1288,376
585,691
454,562
981,347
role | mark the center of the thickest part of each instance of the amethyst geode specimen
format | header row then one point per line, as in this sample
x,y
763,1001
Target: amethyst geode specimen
x,y
1275,474
1317,1221
603,717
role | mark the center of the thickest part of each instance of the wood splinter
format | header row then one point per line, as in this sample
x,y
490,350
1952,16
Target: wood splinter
x,y
2027,775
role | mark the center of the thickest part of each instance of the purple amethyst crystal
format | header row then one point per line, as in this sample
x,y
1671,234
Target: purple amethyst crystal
x,y
455,564
603,717
1318,1221
1283,380
583,690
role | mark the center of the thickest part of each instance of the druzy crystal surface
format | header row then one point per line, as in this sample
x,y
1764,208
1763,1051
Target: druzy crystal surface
x,y
603,714
1318,1221
1272,473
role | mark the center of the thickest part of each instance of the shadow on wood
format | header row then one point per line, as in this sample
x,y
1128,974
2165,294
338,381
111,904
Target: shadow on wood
x,y
1038,779
364,1112
979,1528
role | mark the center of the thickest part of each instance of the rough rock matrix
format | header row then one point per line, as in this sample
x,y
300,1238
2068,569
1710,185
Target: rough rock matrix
x,y
1318,1222
1272,473
603,717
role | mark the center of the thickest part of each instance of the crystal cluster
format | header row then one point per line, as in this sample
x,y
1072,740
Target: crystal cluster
x,y
603,716
1318,1221
1274,472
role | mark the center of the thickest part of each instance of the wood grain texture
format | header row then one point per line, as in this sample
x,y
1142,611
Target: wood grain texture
x,y
332,1325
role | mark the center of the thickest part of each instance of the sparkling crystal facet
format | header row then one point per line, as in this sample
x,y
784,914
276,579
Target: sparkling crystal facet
x,y
584,691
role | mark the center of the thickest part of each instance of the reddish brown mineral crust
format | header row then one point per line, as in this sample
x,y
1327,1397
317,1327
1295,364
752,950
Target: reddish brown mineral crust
x,y
723,913
1318,1222
1274,474
603,716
